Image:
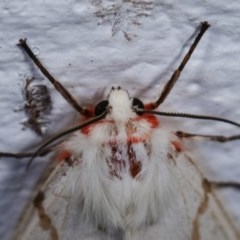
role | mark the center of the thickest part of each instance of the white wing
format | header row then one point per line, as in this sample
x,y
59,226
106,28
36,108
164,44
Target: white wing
x,y
48,215
197,213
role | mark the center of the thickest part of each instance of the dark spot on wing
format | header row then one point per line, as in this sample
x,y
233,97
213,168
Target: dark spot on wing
x,y
45,220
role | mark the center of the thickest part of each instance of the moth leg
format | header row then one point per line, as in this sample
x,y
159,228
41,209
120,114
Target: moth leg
x,y
175,76
58,86
231,184
216,138
44,152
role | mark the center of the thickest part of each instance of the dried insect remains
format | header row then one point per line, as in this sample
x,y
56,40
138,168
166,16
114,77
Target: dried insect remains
x,y
37,105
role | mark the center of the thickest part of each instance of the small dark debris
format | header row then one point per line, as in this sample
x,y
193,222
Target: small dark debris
x,y
37,105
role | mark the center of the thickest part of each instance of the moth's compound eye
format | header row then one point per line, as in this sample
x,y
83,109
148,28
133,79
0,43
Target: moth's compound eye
x,y
136,103
101,107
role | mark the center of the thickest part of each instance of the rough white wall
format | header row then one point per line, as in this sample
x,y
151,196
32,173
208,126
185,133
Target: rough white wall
x,y
90,45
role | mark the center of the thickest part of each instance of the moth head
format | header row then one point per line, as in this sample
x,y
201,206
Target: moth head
x,y
121,107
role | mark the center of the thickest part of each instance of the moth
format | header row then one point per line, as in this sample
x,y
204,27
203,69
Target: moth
x,y
124,175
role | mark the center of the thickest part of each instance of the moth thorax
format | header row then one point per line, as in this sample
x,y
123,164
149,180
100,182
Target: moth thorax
x,y
121,105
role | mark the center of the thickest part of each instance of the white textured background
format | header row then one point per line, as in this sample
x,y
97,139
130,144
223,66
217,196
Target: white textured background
x,y
90,45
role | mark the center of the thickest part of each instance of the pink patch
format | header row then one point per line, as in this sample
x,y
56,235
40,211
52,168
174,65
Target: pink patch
x,y
86,129
148,106
149,118
177,145
133,140
63,155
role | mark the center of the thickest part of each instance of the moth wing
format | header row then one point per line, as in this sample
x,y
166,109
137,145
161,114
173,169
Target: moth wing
x,y
48,216
197,215
197,212
204,211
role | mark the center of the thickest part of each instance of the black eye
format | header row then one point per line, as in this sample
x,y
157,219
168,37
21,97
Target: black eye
x,y
101,107
136,103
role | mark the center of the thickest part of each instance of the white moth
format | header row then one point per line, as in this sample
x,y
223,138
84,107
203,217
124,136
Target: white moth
x,y
125,176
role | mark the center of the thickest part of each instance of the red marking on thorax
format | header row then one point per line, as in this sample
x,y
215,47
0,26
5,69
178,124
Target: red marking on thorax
x,y
123,159
135,165
148,106
90,112
66,157
177,145
86,130
147,117
133,140
63,155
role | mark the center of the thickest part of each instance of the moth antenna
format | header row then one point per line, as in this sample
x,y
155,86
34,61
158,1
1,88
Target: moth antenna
x,y
58,86
189,115
176,74
68,131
